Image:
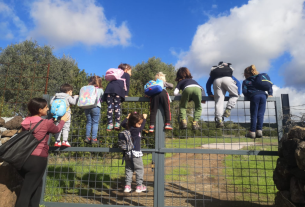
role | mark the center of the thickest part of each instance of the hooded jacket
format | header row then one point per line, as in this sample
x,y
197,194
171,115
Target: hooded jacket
x,y
44,128
249,89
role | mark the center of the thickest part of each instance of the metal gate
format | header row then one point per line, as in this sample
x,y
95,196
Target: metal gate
x,y
207,167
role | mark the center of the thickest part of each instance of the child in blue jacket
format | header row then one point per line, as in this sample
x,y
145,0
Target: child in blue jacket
x,y
258,99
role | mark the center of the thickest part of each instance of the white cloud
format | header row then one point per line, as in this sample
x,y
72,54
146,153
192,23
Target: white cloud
x,y
214,6
255,33
9,22
76,21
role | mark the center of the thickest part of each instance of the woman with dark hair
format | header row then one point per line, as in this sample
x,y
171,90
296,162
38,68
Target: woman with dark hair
x,y
33,169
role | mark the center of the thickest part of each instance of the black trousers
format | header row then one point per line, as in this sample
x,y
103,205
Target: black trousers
x,y
161,98
32,172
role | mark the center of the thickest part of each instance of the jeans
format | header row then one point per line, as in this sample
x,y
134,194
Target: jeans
x,y
257,111
93,117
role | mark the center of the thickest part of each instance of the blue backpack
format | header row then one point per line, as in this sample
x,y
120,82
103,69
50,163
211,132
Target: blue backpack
x,y
263,82
153,87
59,107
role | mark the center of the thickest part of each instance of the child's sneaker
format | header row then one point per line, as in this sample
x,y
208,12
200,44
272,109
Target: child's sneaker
x,y
227,113
151,128
117,126
195,125
219,123
183,124
259,133
57,144
251,135
141,188
168,126
127,189
109,127
66,144
94,141
88,140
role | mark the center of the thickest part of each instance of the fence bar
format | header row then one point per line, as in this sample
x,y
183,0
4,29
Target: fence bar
x,y
286,110
279,117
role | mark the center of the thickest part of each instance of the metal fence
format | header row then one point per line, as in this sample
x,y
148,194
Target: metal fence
x,y
207,167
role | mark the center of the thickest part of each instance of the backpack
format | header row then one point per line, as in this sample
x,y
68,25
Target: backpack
x,y
115,74
125,142
87,97
262,82
18,149
222,70
59,107
153,87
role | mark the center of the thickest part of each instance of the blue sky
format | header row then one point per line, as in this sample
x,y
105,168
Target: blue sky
x,y
192,33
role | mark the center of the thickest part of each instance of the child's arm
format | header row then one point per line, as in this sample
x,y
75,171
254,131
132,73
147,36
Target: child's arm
x,y
72,100
143,123
245,90
270,92
202,94
124,123
209,86
127,84
237,84
168,85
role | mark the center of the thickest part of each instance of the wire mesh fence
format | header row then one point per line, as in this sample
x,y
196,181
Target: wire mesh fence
x,y
206,167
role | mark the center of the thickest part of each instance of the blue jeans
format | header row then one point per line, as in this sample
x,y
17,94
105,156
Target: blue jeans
x,y
93,117
257,111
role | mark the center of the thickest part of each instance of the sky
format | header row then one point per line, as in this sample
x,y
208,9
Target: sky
x,y
197,34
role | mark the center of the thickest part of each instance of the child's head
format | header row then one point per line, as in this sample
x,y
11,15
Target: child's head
x,y
135,120
160,76
125,67
66,88
95,81
38,106
183,73
250,71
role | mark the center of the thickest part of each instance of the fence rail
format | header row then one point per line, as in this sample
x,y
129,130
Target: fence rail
x,y
208,167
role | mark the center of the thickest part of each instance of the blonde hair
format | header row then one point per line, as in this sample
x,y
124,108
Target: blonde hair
x,y
251,70
160,76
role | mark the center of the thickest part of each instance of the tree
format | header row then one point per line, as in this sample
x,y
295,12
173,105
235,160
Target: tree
x,y
23,69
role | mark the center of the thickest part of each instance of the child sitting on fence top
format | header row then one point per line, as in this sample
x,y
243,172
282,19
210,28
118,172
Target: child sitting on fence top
x,y
222,78
258,99
164,99
65,93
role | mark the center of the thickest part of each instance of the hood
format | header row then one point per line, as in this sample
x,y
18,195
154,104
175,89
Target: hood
x,y
61,95
31,121
252,78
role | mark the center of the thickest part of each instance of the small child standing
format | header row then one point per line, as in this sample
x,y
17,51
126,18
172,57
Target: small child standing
x,y
65,93
114,95
192,91
162,98
93,114
222,78
258,99
135,123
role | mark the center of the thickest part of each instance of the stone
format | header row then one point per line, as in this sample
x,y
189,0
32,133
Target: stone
x,y
14,123
281,182
4,139
9,133
297,132
283,168
288,150
282,199
298,174
300,155
10,185
297,191
2,122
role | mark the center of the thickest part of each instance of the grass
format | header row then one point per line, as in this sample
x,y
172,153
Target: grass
x,y
177,174
198,142
252,176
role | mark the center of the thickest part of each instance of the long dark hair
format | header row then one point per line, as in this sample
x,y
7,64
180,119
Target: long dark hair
x,y
134,118
183,73
35,104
